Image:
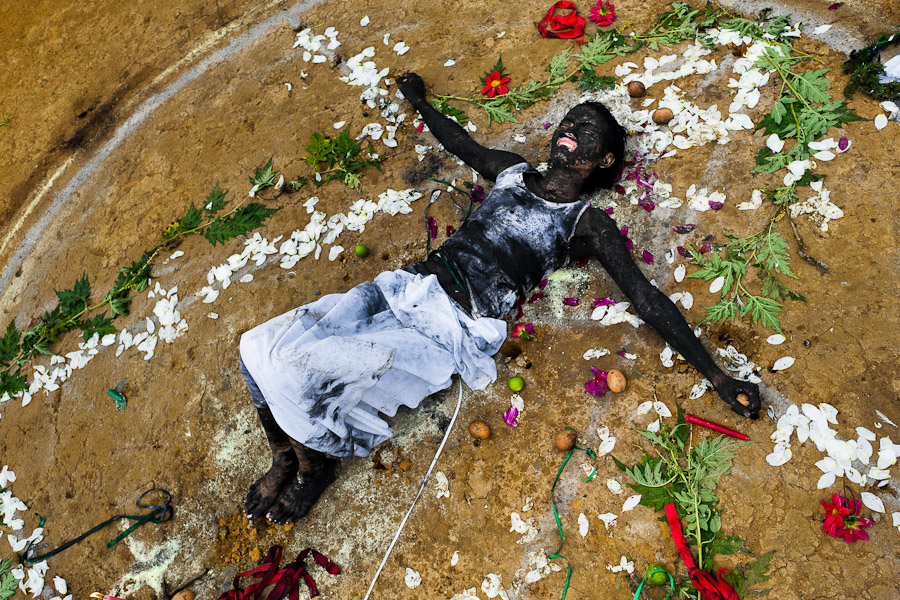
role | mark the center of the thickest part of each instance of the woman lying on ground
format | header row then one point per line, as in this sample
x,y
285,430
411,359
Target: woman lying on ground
x,y
321,375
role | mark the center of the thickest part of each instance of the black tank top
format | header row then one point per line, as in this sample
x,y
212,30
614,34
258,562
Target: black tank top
x,y
506,247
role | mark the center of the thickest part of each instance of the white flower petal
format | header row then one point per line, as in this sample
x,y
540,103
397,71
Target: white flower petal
x,y
783,363
825,481
776,339
631,502
881,122
717,284
872,502
583,525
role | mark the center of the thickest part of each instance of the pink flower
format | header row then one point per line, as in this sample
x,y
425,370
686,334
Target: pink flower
x,y
597,386
842,519
524,331
570,301
509,417
603,14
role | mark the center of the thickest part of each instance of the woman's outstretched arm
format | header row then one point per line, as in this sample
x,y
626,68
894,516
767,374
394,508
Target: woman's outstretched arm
x,y
489,163
597,235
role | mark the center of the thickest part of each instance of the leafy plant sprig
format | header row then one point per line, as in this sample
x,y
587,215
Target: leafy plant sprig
x,y
8,583
767,253
341,158
73,308
688,475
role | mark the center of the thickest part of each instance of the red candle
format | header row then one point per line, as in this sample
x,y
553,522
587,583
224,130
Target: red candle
x,y
704,423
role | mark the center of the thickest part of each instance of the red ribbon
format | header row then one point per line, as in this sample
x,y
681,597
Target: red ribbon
x,y
709,588
286,581
562,26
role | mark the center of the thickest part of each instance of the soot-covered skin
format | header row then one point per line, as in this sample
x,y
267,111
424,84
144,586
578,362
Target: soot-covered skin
x,y
576,149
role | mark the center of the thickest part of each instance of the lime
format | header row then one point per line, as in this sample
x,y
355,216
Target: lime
x,y
361,250
661,577
516,384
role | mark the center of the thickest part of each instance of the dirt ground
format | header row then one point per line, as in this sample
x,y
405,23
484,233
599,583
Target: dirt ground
x,y
119,115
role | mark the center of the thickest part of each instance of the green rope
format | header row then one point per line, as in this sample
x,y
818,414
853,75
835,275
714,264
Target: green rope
x,y
451,271
559,528
158,514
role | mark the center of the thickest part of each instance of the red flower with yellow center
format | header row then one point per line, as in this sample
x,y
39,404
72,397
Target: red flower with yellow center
x,y
604,13
495,84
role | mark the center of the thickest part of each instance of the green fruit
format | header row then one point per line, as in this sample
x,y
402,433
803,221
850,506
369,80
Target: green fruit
x,y
516,384
659,578
361,250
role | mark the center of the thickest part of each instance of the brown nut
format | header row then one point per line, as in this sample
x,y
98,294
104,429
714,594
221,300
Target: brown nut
x,y
744,399
479,430
616,381
184,595
565,440
661,116
636,89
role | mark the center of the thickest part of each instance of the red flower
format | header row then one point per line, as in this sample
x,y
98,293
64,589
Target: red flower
x,y
524,331
604,13
843,520
495,84
835,512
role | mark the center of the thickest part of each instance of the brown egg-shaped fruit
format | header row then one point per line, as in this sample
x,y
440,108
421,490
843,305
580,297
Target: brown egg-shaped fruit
x,y
184,595
616,381
479,430
661,116
636,89
744,399
565,440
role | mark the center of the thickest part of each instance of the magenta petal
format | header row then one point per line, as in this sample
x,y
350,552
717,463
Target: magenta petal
x,y
624,231
529,328
602,302
686,228
582,261
432,228
535,298
546,125
648,258
843,144
509,417
620,190
542,284
716,205
705,248
835,6
684,252
629,245
609,210
570,301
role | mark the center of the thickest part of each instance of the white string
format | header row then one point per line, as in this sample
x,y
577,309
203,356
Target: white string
x,y
421,489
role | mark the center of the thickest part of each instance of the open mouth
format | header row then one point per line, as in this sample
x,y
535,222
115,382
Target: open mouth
x,y
567,142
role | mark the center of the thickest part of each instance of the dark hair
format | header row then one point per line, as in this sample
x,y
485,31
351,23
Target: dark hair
x,y
613,141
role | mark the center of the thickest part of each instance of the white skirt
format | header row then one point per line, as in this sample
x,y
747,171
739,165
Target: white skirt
x,y
328,368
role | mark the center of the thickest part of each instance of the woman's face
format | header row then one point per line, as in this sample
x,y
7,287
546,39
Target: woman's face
x,y
578,141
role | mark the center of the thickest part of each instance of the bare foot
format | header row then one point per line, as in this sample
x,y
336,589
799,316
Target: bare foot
x,y
302,494
266,490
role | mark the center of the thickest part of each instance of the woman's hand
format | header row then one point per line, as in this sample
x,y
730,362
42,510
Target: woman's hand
x,y
729,389
412,87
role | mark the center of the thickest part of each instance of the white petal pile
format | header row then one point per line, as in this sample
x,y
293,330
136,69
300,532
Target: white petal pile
x,y
315,45
755,202
525,528
537,567
624,565
743,368
492,586
616,313
843,458
594,353
819,207
607,442
442,485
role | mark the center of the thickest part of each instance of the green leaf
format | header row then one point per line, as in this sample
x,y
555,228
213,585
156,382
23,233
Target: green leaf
x,y
243,220
75,300
12,382
746,575
590,82
264,176
99,324
724,310
9,343
191,219
8,583
559,64
119,306
443,107
728,545
773,288
773,254
215,201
